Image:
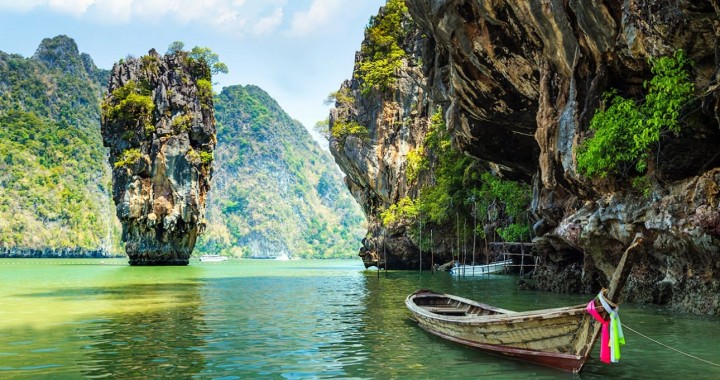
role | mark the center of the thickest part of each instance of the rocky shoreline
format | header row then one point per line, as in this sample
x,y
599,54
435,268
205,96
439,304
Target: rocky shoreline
x,y
55,253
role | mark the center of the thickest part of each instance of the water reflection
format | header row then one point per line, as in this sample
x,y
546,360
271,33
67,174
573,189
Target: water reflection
x,y
99,321
163,342
397,348
294,327
262,319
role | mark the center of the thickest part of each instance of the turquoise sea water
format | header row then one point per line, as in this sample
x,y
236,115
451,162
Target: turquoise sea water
x,y
247,319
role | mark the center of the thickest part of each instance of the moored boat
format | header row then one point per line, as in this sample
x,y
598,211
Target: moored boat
x,y
552,337
213,258
560,338
477,270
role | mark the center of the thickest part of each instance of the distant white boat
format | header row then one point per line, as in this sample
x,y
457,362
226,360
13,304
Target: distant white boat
x,y
477,270
283,257
213,258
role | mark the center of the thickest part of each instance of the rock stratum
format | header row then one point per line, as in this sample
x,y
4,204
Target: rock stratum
x,y
159,124
518,83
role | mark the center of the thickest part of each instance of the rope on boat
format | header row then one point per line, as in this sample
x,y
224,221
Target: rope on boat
x,y
672,348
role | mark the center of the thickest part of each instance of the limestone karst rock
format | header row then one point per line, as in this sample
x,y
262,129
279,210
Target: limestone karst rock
x,y
159,124
519,82
524,79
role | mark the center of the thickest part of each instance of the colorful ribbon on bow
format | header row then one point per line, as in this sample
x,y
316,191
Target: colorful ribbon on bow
x,y
612,334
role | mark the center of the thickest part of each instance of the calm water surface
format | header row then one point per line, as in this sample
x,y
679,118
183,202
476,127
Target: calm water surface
x,y
245,319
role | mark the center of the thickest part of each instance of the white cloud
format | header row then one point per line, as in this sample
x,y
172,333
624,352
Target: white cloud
x,y
114,11
75,7
20,6
267,24
320,11
227,15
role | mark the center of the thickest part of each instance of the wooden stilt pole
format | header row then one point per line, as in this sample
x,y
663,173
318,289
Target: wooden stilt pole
x,y
385,253
432,254
474,235
420,245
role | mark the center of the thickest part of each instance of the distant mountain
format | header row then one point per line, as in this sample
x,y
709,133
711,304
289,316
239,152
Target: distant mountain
x,y
274,190
54,176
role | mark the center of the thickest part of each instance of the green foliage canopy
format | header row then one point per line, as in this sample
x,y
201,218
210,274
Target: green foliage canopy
x,y
342,129
626,131
130,104
199,53
405,211
382,52
462,189
54,180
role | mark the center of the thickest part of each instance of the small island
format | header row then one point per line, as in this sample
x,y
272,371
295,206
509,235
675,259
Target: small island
x,y
159,123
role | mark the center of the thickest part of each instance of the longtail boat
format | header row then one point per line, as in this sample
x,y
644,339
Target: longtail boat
x,y
560,338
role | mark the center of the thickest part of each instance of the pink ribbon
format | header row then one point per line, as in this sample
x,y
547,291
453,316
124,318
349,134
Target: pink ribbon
x,y
605,339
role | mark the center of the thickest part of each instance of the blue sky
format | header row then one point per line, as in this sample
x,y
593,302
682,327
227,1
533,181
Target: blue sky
x,y
296,50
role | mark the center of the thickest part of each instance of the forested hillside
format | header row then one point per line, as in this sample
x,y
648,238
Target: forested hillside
x,y
54,178
274,190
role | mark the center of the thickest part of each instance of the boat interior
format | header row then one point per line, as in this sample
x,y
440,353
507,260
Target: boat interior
x,y
447,306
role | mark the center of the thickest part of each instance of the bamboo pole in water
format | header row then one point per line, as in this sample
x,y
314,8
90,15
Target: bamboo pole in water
x,y
457,232
474,235
432,254
385,253
464,241
420,245
378,257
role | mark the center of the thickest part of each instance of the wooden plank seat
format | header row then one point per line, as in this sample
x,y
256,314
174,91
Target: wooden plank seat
x,y
447,309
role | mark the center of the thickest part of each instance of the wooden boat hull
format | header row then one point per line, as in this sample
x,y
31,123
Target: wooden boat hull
x,y
564,362
560,338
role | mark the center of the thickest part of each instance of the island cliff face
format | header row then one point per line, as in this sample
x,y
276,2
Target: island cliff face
x,y
518,83
396,120
159,124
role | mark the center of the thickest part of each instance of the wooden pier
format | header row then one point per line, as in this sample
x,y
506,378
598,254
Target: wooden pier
x,y
522,254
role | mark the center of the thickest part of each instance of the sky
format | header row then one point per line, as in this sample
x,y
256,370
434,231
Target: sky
x,y
298,51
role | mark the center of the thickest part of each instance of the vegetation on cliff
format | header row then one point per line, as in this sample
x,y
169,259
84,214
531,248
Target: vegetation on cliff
x,y
158,121
274,189
132,105
382,51
201,54
341,129
628,130
54,183
463,189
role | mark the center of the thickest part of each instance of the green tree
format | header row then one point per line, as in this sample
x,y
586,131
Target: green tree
x,y
323,128
210,57
198,53
175,47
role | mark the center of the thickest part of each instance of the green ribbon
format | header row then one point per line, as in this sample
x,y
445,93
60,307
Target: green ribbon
x,y
616,334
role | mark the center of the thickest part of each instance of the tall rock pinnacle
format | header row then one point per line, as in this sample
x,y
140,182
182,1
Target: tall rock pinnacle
x,y
159,124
